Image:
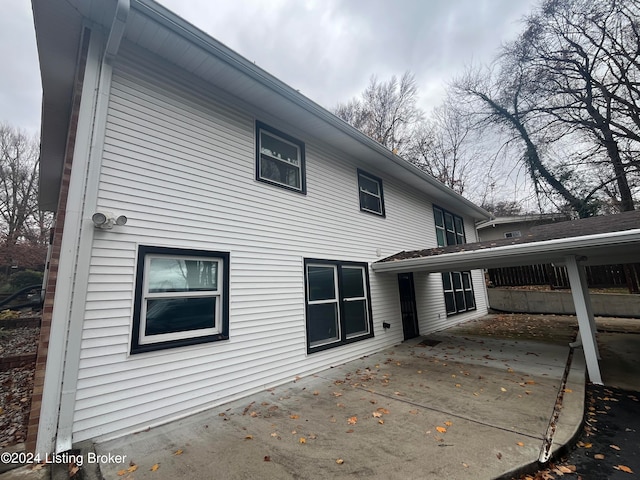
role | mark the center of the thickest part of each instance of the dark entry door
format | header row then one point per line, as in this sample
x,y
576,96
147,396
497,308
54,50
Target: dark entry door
x,y
408,305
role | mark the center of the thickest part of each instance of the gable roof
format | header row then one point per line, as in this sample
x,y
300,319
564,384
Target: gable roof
x,y
607,239
160,32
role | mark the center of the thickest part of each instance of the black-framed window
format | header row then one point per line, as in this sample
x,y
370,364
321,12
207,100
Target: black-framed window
x,y
182,298
280,159
338,303
371,195
449,228
458,292
457,286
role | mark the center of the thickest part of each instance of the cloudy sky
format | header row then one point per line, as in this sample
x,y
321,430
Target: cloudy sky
x,y
327,49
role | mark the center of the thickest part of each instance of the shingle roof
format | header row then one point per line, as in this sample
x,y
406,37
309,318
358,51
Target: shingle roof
x,y
573,228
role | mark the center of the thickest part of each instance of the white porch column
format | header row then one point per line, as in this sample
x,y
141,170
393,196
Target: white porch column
x,y
586,322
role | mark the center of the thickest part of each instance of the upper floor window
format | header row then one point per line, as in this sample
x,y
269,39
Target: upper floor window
x,y
514,234
371,197
182,298
449,228
279,159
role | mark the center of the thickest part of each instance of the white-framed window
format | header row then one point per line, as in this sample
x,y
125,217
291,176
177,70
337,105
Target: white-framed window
x,y
280,159
514,234
370,191
181,298
338,302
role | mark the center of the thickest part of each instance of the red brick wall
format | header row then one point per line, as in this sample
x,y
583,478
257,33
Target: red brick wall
x,y
56,242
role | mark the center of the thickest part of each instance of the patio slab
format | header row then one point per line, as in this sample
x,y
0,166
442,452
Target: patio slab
x,y
466,407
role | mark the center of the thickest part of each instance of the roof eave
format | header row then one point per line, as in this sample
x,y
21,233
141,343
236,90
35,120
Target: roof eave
x,y
614,247
54,142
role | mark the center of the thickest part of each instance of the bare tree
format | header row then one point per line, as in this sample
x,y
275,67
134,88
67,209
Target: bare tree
x,y
445,146
504,101
585,59
22,224
386,111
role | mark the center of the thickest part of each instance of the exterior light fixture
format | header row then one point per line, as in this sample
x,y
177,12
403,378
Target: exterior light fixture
x,y
106,220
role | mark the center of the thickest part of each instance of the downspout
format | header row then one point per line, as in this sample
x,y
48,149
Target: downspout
x,y
85,230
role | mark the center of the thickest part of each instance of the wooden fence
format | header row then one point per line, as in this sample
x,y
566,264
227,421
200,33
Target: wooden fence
x,y
600,276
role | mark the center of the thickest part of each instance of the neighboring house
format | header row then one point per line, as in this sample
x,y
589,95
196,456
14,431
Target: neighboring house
x,y
214,228
515,226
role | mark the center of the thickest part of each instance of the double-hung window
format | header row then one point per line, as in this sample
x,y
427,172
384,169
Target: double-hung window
x,y
182,298
370,189
338,303
280,159
457,286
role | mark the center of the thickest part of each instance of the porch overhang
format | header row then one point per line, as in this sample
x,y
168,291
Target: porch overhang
x,y
598,249
616,247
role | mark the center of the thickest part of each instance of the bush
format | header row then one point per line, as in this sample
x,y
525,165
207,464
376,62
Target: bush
x,y
20,280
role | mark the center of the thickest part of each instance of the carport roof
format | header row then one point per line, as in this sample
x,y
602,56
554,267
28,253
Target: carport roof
x,y
610,239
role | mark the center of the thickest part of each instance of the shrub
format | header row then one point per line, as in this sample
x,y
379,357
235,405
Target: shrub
x,y
20,280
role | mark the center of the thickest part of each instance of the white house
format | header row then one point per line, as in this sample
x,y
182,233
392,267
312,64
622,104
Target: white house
x,y
214,228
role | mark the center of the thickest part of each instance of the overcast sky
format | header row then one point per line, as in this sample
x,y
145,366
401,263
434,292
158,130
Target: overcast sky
x,y
327,49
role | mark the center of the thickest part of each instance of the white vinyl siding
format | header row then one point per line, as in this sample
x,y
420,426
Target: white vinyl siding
x,y
181,167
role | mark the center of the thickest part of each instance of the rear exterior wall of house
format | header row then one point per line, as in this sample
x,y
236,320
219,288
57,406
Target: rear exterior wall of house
x,y
180,163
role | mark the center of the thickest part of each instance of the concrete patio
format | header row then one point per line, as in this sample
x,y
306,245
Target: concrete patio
x,y
449,405
476,405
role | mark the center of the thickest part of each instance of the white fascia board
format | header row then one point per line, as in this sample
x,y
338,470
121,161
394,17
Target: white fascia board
x,y
547,251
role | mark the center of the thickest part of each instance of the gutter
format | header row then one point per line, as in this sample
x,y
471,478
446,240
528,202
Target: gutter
x,y
117,30
547,250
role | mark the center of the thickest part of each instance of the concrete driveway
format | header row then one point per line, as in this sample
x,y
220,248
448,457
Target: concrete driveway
x,y
450,405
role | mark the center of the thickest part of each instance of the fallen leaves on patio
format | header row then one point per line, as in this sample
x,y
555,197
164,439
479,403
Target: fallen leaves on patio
x,y
623,468
132,468
154,467
441,429
352,420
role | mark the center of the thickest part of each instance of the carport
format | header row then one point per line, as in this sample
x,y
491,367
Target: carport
x,y
613,239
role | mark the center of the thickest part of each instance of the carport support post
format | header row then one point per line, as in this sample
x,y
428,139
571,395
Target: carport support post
x,y
586,322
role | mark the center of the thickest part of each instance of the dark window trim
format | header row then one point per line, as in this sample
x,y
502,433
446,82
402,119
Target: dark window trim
x,y
343,340
143,251
303,182
376,179
458,236
444,227
453,292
